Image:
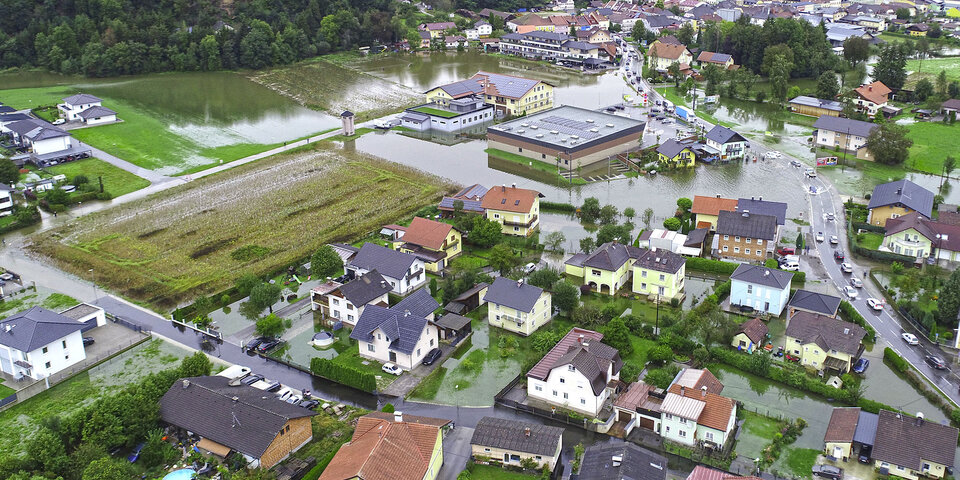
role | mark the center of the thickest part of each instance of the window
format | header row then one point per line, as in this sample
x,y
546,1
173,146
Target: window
x,y
378,336
747,251
44,350
668,429
583,401
725,248
736,249
709,436
759,252
47,364
349,306
563,380
371,348
350,318
336,302
726,237
431,342
538,388
749,240
750,289
662,277
643,273
566,396
737,239
643,286
595,273
683,433
554,393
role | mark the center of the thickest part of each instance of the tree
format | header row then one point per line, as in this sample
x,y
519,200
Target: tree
x,y
264,296
107,469
923,90
891,67
936,31
856,50
79,180
800,242
270,326
433,286
772,53
889,143
674,71
543,278
590,210
953,90
903,13
485,232
942,85
685,34
673,224
780,76
210,53
566,296
660,354
617,335
949,165
629,213
586,316
609,233
47,449
948,304
256,49
660,377
502,258
325,262
608,215
587,244
684,204
827,85
245,284
647,217
554,241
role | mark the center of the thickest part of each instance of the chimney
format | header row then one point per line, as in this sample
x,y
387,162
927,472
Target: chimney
x,y
503,187
406,313
235,399
683,390
519,283
513,185
760,198
899,191
526,432
7,328
186,383
919,418
766,273
703,391
617,460
398,416
580,339
870,88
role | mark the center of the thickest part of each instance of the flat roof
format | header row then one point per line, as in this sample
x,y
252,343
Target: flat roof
x,y
568,128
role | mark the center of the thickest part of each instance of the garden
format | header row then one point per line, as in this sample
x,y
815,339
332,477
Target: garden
x,y
315,195
917,292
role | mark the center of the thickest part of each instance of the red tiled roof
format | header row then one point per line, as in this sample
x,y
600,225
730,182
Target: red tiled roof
x,y
754,329
713,205
427,233
842,426
667,50
875,92
716,411
384,450
510,199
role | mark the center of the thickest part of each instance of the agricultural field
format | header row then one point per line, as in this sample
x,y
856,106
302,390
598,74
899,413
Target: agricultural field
x,y
116,181
164,250
931,67
932,142
334,88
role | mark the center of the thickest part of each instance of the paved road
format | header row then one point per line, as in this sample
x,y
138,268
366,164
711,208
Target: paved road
x,y
153,177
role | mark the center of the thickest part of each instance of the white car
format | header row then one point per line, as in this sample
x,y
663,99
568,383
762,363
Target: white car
x,y
910,338
392,369
834,240
529,268
846,267
856,282
875,304
810,173
773,154
59,121
819,236
850,291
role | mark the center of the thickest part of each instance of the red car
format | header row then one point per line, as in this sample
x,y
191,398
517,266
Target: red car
x,y
784,251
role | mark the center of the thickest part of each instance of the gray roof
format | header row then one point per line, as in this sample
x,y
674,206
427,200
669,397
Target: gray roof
x,y
402,330
519,295
97,111
906,442
828,333
610,256
80,99
661,260
512,435
388,262
815,302
831,105
36,129
844,125
696,237
905,192
6,108
366,288
747,225
555,36
671,148
636,463
591,359
507,85
453,321
415,117
722,135
580,45
463,87
77,312
763,207
468,205
35,328
241,417
13,117
762,276
418,303
568,128
866,432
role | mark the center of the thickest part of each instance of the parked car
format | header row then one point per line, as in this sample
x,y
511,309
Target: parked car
x,y
284,394
6,276
87,341
773,154
294,399
785,251
828,471
268,345
251,379
875,304
910,338
529,268
856,282
431,356
310,404
861,365
820,237
838,255
274,387
254,344
850,292
846,267
391,369
135,454
935,362
834,240
790,266
59,121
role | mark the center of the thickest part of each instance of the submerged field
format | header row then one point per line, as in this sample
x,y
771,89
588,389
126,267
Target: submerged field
x,y
164,250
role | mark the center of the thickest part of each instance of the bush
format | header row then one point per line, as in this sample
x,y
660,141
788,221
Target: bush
x,y
895,360
388,408
557,207
722,291
343,374
711,266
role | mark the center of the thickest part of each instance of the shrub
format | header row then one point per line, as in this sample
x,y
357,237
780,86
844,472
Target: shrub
x,y
711,266
388,408
557,207
895,360
722,291
343,374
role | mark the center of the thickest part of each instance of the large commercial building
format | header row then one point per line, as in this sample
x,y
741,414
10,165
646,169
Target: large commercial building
x,y
569,136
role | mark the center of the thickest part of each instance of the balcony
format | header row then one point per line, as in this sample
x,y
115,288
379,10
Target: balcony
x,y
414,274
521,224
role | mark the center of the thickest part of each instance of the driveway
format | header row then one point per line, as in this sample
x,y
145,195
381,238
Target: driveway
x,y
409,380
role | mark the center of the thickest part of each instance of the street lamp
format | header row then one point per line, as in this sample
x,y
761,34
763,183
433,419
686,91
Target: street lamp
x,y
94,282
936,255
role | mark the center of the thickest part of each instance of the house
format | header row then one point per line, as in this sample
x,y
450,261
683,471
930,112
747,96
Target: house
x,y
690,245
639,407
915,236
96,115
913,447
402,334
659,273
37,343
470,197
454,41
237,418
950,106
843,134
390,446
453,116
575,373
722,60
469,300
436,243
698,379
549,45
88,316
6,200
813,302
404,272
870,98
815,107
750,336
483,28
764,289
701,472
621,460
675,154
437,29
730,144
823,343
517,306
918,30
896,199
74,105
512,441
508,94
607,269
746,236
516,209
425,39
661,55
39,136
346,302
707,210
697,417
838,439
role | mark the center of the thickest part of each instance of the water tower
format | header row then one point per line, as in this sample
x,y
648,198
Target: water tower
x,y
347,118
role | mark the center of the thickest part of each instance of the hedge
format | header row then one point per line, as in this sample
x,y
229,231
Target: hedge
x,y
866,226
343,374
896,361
851,314
711,266
879,256
557,207
722,291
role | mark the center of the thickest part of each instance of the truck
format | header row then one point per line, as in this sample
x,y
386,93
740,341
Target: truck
x,y
683,113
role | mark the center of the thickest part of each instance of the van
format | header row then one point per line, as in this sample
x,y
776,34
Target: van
x,y
791,266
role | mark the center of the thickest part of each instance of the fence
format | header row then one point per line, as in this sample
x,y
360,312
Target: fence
x,y
126,323
88,363
205,331
576,420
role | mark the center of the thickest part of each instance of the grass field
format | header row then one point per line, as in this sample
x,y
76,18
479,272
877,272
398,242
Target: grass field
x,y
800,460
932,142
116,181
436,112
164,250
6,391
931,67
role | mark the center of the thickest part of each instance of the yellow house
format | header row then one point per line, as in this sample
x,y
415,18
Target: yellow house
x,y
390,446
750,336
517,306
823,343
659,273
662,55
676,154
517,209
509,94
838,440
707,210
913,447
436,243
896,199
606,269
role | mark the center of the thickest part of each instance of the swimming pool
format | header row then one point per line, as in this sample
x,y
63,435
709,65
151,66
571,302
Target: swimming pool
x,y
323,338
182,474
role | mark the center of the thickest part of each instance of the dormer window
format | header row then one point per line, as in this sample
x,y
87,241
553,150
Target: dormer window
x,y
570,368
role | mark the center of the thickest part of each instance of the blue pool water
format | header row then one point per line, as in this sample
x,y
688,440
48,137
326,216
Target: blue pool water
x,y
182,474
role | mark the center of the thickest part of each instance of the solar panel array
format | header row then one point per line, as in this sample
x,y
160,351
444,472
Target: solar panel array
x,y
509,86
570,126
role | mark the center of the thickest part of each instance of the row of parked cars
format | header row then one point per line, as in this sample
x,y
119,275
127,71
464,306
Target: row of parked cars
x,y
263,344
244,376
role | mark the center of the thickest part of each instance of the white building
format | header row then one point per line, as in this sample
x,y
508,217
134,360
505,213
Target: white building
x,y
763,289
72,106
694,413
38,343
402,334
6,200
456,115
347,302
483,28
39,136
403,271
97,115
575,373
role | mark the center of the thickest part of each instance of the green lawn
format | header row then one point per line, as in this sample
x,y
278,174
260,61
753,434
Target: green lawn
x,y
530,163
116,181
800,460
931,67
490,472
469,262
6,391
436,112
932,142
870,240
